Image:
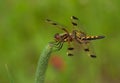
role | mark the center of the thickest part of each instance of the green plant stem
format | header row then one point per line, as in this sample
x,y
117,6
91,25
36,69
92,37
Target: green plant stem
x,y
42,64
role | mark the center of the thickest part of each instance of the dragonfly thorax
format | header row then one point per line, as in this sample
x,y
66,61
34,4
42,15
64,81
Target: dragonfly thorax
x,y
64,37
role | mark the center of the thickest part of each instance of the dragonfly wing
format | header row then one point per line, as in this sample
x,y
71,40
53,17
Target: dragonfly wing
x,y
57,25
77,24
88,48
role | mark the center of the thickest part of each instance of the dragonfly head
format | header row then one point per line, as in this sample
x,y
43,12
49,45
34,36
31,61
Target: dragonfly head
x,y
62,37
57,37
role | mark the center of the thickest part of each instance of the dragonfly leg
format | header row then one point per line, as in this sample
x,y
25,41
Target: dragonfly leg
x,y
57,45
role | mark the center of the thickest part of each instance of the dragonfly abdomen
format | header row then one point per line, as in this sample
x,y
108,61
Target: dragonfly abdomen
x,y
92,37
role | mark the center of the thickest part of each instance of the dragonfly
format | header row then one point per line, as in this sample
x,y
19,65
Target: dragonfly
x,y
76,35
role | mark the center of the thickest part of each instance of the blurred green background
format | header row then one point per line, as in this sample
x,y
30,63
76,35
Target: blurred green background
x,y
24,34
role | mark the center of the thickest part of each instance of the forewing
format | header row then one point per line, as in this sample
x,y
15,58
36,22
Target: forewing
x,y
77,24
57,25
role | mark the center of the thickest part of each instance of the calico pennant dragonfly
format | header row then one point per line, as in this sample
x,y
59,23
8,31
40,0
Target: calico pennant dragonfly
x,y
75,36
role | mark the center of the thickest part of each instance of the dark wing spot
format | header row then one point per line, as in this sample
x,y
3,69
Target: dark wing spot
x,y
54,23
70,48
69,54
86,49
75,24
74,17
93,56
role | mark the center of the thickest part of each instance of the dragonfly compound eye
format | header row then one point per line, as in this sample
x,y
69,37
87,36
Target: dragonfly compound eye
x,y
57,36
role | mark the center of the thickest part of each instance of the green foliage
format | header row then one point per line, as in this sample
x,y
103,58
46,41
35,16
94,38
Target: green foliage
x,y
24,34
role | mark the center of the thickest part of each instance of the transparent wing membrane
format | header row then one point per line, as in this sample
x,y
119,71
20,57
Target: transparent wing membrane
x,y
57,25
87,47
76,24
